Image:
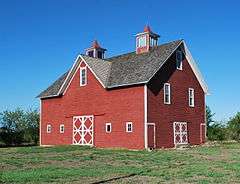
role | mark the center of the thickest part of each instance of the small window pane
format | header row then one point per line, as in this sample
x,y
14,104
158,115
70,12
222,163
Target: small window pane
x,y
142,41
83,76
179,60
191,97
167,93
49,128
108,127
61,128
90,53
129,127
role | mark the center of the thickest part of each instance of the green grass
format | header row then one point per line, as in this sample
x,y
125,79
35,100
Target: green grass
x,y
74,164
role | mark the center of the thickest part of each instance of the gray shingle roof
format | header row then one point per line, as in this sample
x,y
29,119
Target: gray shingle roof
x,y
122,70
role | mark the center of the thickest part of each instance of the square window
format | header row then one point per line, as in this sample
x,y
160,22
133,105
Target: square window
x,y
49,128
61,128
108,127
129,127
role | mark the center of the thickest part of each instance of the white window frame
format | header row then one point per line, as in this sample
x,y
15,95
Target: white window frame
x,y
143,40
108,124
49,128
177,61
60,128
191,96
81,81
131,124
169,96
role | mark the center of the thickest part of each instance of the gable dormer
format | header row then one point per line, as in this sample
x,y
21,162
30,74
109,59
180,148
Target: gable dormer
x,y
96,51
146,40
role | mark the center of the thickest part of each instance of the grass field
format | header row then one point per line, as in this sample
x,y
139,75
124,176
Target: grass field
x,y
73,164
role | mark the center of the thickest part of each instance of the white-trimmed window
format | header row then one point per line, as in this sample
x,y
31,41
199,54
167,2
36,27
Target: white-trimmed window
x,y
83,76
61,128
49,128
191,97
108,127
179,59
167,93
142,41
129,126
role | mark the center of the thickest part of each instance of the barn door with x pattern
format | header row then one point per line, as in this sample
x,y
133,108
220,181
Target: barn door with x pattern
x,y
83,130
180,133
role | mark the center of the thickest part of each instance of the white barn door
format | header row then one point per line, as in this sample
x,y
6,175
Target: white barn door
x,y
180,133
83,130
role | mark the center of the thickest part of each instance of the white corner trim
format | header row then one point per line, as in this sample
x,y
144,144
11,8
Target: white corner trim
x,y
145,117
40,124
88,67
92,71
195,69
68,75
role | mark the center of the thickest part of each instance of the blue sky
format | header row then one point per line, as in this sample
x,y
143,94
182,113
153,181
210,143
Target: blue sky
x,y
39,40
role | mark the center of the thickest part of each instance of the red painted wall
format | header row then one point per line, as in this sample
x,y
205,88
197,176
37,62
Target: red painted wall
x,y
179,110
116,106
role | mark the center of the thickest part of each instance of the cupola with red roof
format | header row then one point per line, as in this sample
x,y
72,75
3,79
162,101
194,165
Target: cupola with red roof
x,y
96,50
146,40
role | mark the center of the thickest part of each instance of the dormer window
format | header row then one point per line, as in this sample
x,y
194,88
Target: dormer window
x,y
179,59
95,51
90,53
153,42
83,76
142,41
100,54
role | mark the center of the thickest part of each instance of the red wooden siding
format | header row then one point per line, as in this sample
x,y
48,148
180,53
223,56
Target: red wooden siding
x,y
164,115
116,106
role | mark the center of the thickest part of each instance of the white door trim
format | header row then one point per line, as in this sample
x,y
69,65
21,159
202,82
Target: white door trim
x,y
180,133
201,129
83,132
154,130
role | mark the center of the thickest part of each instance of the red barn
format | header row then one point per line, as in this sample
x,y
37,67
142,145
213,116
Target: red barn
x,y
153,97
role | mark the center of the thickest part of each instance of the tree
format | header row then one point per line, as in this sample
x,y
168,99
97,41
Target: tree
x,y
209,116
234,127
217,131
32,123
19,126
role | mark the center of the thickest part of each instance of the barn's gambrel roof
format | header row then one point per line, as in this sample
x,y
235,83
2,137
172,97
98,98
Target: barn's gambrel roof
x,y
124,70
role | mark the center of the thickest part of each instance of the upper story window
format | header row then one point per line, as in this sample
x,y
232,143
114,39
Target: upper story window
x,y
49,128
142,41
61,128
90,53
129,127
83,76
108,127
191,97
167,93
153,42
179,59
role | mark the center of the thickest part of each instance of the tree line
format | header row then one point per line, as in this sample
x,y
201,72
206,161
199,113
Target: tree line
x,y
21,127
219,131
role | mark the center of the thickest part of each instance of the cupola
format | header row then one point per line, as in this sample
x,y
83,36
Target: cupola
x,y
146,40
95,50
